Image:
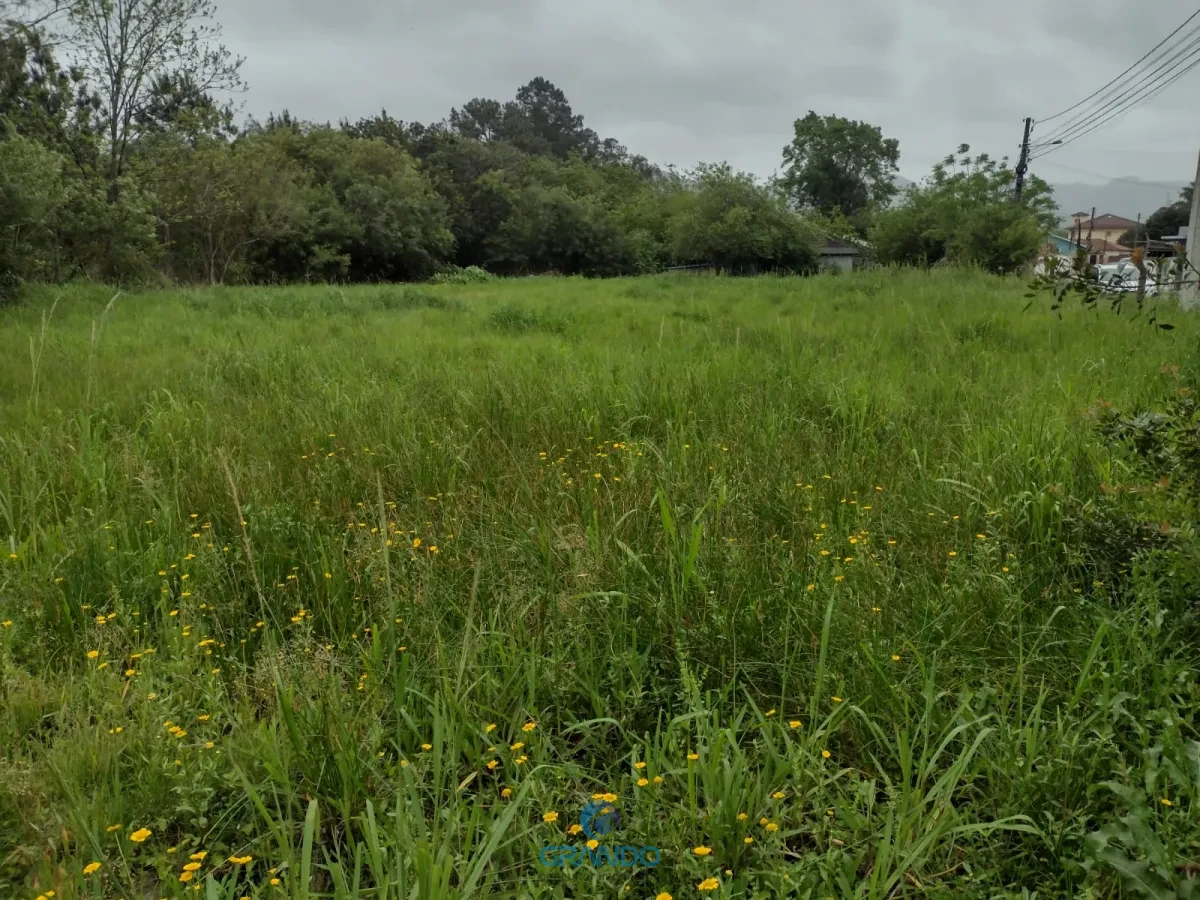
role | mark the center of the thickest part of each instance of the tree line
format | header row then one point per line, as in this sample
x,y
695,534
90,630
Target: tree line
x,y
120,161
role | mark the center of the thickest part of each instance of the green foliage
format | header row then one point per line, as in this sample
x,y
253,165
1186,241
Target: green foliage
x,y
1169,219
552,231
44,102
30,199
964,213
402,232
835,164
149,61
458,275
538,121
520,187
730,221
56,225
109,239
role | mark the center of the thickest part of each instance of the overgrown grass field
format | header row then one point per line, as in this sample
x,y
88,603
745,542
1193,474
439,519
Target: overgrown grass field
x,y
831,586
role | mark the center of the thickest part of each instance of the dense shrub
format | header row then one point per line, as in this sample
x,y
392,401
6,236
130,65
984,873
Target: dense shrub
x,y
964,213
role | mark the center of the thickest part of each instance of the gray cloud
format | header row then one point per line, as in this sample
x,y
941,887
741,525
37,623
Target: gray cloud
x,y
688,80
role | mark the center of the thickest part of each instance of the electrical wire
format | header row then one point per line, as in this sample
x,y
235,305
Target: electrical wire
x,y
1130,104
1145,87
1126,72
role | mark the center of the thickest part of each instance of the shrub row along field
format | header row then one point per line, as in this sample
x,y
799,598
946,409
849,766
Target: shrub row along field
x,y
831,587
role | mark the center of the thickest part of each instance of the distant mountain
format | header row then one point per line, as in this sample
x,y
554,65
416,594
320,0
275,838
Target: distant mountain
x,y
1127,197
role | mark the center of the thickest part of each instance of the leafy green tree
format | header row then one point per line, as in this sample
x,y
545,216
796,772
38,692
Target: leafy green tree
x,y
839,164
106,236
400,227
383,127
729,220
964,213
31,197
129,47
403,231
479,120
549,230
56,224
176,103
541,121
41,100
240,212
1167,220
478,183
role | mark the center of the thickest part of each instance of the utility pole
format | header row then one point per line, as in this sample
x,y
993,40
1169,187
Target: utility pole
x,y
1140,261
1023,162
1190,298
1091,226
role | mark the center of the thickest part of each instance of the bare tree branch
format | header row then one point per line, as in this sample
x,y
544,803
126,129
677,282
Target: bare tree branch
x,y
126,44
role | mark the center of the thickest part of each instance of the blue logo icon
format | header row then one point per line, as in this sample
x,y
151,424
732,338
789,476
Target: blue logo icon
x,y
599,819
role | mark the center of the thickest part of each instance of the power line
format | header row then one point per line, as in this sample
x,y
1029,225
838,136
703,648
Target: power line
x,y
1126,72
1135,101
1146,86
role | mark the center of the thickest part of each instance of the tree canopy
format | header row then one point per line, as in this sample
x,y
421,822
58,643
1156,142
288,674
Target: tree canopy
x,y
125,163
835,164
964,213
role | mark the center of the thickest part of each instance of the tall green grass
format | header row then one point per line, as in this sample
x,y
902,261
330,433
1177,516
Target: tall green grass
x,y
794,568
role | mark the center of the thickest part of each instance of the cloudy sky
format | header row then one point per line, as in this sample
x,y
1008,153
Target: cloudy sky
x,y
687,80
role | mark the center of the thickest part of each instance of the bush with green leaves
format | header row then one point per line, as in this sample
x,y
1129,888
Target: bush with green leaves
x,y
964,213
725,218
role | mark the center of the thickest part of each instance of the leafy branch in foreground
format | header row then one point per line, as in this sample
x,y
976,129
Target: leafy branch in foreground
x,y
1078,279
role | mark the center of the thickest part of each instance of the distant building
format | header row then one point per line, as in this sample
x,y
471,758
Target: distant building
x,y
839,254
1101,251
1103,228
1181,238
1102,236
